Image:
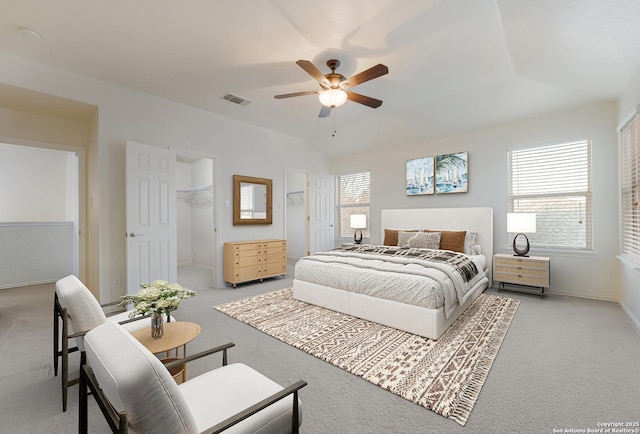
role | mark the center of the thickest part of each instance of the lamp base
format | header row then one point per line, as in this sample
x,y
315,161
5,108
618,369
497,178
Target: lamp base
x,y
520,252
355,236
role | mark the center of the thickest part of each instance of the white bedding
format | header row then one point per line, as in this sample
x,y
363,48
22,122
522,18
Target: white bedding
x,y
403,279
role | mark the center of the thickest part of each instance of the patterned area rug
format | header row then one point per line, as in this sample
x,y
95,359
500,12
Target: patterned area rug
x,y
444,376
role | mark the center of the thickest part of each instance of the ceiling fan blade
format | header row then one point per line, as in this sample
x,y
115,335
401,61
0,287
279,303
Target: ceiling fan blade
x,y
324,111
366,100
369,74
314,72
289,95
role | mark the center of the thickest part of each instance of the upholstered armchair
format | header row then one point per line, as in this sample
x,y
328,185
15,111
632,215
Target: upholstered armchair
x,y
135,391
76,309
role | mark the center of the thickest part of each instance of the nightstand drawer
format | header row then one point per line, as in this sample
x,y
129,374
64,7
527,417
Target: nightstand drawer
x,y
523,279
513,261
524,269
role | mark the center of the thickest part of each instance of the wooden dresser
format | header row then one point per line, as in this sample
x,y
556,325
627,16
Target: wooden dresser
x,y
254,260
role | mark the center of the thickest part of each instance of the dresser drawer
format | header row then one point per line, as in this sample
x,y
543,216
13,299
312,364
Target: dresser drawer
x,y
247,273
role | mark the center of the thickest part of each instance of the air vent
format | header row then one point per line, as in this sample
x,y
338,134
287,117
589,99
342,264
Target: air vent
x,y
236,99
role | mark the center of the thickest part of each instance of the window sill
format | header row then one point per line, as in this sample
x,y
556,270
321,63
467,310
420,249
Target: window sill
x,y
633,265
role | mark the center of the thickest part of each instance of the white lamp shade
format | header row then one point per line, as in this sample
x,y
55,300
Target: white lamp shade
x,y
358,221
333,97
521,222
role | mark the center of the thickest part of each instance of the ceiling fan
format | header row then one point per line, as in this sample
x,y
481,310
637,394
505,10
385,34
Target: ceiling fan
x,y
335,86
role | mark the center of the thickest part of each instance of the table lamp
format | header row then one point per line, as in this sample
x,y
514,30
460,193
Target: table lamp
x,y
358,222
519,223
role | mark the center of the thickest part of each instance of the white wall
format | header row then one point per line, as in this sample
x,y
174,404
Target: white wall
x,y
124,115
35,185
35,252
593,274
630,287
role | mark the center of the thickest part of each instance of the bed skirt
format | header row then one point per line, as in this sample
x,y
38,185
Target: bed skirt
x,y
430,323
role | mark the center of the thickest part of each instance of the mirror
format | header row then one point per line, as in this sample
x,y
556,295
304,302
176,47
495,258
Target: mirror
x,y
251,200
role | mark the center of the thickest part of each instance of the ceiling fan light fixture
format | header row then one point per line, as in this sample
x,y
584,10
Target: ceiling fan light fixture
x,y
333,97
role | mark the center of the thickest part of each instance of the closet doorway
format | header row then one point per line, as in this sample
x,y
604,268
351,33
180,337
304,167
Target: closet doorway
x,y
297,212
195,216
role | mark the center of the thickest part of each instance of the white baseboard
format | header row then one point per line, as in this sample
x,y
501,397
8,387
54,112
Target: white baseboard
x,y
633,319
536,291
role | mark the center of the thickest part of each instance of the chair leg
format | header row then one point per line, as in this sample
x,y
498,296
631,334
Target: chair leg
x,y
56,331
295,421
65,358
83,417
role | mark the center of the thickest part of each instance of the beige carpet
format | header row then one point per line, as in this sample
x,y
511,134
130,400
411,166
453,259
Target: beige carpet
x,y
444,376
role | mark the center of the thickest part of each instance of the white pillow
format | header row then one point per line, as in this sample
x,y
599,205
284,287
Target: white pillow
x,y
470,242
426,240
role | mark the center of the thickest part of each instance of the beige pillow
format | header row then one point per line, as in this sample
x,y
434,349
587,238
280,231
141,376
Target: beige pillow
x,y
404,237
425,240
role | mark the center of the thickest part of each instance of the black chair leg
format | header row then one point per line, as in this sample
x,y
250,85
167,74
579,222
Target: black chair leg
x,y
83,418
56,336
65,359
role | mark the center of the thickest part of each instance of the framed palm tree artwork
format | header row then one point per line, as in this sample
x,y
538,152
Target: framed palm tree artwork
x,y
452,173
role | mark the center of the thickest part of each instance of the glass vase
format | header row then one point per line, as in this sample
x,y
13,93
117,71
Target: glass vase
x,y
157,326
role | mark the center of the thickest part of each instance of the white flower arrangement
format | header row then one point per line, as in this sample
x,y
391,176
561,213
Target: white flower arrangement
x,y
157,297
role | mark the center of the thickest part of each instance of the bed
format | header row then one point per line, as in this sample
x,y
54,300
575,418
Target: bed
x,y
392,285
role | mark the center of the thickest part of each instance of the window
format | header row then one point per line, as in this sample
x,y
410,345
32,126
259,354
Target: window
x,y
630,183
555,183
353,197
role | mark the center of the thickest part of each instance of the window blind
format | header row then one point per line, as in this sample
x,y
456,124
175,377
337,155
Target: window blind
x,y
354,197
246,200
555,183
630,184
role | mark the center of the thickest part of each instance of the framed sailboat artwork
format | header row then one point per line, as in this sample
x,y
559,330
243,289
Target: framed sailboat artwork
x,y
452,173
420,176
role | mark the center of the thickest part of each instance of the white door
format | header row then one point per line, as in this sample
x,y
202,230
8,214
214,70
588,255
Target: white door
x,y
321,213
151,215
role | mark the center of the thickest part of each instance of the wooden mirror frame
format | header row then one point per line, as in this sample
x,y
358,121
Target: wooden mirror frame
x,y
239,179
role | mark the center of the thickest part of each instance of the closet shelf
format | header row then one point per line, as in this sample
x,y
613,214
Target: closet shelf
x,y
201,194
295,198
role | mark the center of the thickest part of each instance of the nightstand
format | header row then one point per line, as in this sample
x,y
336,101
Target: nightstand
x,y
521,270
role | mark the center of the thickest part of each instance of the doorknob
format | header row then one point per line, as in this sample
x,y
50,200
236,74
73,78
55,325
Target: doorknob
x,y
133,235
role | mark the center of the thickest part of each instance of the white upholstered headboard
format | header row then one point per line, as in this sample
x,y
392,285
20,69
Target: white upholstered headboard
x,y
478,219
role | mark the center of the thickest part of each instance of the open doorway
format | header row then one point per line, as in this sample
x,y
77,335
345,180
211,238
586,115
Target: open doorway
x,y
40,217
195,215
297,210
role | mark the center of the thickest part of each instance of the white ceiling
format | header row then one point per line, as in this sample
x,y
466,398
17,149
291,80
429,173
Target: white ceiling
x,y
454,65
